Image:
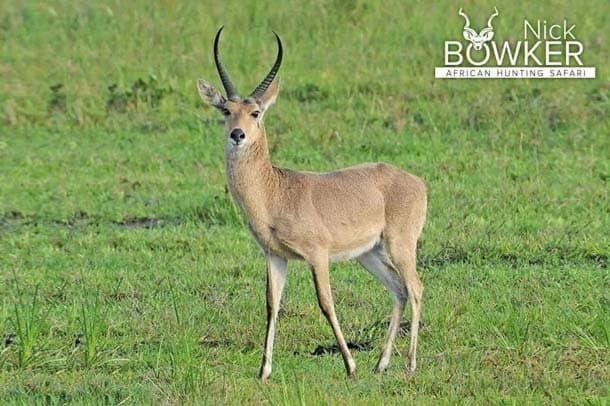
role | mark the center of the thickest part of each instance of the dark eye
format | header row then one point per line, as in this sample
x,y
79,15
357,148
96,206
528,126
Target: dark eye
x,y
255,114
225,112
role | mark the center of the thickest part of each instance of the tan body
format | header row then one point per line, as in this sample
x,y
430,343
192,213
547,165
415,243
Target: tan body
x,y
371,212
291,215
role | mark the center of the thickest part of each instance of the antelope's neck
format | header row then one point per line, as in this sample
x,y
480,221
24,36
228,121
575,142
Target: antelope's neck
x,y
253,181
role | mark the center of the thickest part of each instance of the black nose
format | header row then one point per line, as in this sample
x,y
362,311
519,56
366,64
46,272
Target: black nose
x,y
237,135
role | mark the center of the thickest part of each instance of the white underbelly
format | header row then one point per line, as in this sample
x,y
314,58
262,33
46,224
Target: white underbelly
x,y
353,252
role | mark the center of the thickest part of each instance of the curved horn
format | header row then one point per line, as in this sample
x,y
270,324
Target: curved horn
x,y
465,18
224,76
492,17
260,89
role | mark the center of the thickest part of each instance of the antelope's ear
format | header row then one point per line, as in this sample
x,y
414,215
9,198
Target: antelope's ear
x,y
270,95
210,95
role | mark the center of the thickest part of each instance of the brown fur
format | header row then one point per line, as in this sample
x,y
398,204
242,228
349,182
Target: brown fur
x,y
372,212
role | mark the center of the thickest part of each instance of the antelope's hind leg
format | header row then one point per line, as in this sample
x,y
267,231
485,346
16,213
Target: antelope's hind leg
x,y
375,261
404,258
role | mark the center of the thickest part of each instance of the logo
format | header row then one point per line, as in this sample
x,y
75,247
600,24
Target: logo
x,y
547,51
486,34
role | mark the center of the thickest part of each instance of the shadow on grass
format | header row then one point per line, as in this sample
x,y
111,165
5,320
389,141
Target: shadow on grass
x,y
322,350
363,345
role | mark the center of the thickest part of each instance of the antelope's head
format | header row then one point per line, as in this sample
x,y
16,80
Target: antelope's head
x,y
478,39
243,117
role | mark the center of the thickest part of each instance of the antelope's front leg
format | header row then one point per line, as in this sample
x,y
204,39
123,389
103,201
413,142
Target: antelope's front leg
x,y
276,279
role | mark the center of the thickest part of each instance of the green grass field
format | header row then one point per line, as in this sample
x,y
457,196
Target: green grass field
x,y
128,276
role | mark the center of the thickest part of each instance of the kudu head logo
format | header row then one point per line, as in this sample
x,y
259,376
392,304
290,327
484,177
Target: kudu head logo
x,y
482,37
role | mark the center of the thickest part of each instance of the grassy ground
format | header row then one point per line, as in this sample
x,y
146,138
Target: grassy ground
x,y
126,274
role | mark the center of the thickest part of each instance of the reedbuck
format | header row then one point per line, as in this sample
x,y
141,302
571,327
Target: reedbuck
x,y
372,212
